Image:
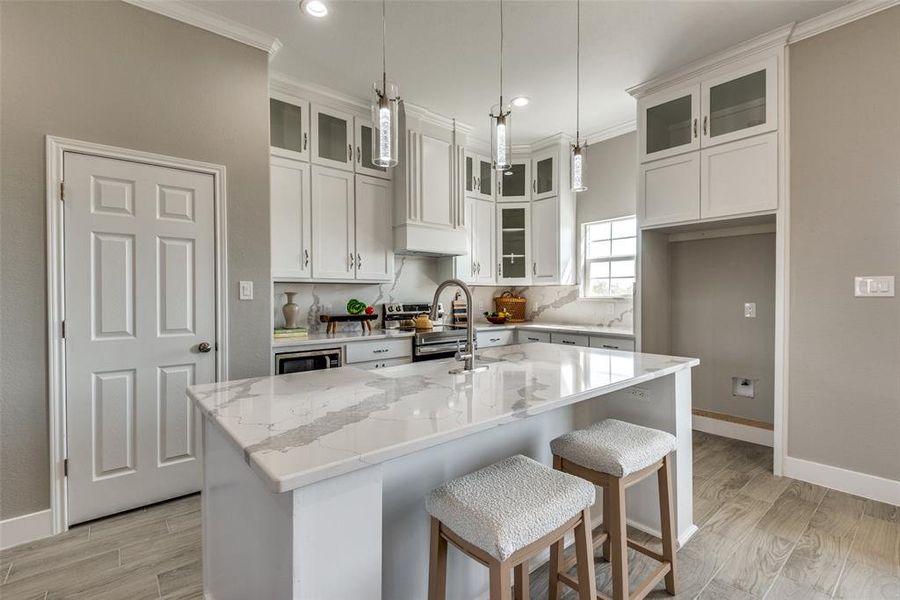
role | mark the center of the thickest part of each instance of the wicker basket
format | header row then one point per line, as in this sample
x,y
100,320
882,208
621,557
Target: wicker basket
x,y
514,305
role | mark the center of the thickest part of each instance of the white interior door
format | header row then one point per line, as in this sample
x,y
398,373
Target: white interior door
x,y
140,301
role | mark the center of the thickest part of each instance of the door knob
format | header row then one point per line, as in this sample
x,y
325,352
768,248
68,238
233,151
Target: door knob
x,y
204,347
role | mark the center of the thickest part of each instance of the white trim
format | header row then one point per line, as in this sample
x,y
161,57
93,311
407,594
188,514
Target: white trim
x,y
782,273
607,133
708,234
56,147
26,528
777,38
839,16
209,21
734,431
844,480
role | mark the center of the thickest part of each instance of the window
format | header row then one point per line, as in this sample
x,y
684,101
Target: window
x,y
609,254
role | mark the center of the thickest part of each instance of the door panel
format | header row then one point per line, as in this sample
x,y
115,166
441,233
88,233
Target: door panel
x,y
483,240
140,297
332,137
668,123
436,181
291,227
364,132
289,127
740,177
334,252
545,174
740,104
374,239
545,240
669,190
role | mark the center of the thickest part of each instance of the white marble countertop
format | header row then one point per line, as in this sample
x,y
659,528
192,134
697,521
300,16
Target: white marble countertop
x,y
342,337
297,429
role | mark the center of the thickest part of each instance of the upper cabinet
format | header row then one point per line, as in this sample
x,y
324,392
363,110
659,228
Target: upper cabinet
x,y
545,174
363,134
289,127
668,123
709,143
740,103
514,263
332,135
479,176
514,184
290,210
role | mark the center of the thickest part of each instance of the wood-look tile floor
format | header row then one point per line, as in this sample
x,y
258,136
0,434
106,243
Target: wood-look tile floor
x,y
760,537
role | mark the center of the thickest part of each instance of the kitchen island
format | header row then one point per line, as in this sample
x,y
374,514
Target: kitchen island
x,y
314,483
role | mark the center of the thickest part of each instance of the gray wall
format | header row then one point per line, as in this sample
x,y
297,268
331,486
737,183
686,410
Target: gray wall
x,y
115,74
711,281
845,221
611,167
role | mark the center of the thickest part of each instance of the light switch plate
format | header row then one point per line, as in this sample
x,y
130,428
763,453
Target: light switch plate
x,y
750,310
246,290
881,286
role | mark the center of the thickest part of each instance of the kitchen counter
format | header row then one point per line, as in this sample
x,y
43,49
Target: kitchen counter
x,y
560,328
342,337
328,470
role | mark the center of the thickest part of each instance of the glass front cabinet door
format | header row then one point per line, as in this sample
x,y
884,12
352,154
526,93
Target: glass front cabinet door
x,y
479,177
740,103
514,241
364,150
514,183
545,174
332,135
289,127
669,123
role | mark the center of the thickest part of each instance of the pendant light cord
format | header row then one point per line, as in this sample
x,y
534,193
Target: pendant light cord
x,y
500,111
383,48
577,72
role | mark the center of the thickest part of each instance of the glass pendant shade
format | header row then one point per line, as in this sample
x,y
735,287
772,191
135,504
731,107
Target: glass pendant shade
x,y
577,161
385,109
501,137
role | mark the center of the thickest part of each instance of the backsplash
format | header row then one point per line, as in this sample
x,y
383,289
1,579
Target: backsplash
x,y
415,279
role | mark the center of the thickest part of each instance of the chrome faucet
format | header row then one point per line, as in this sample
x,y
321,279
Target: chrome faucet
x,y
467,354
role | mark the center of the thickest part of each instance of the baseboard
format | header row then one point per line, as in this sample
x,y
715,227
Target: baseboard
x,y
26,528
735,431
844,480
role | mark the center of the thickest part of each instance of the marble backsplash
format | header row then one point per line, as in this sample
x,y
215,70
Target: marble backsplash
x,y
415,279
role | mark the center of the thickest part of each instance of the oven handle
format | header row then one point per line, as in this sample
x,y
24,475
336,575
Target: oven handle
x,y
436,349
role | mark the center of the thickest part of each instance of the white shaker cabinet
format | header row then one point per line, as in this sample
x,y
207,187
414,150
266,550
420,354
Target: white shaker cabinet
x,y
333,218
479,176
740,177
514,183
372,220
514,243
363,134
289,127
483,241
739,103
669,190
290,215
545,179
669,123
332,137
545,232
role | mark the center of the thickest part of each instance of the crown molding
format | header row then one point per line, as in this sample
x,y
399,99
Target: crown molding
x,y
434,118
281,82
777,38
610,132
206,20
840,16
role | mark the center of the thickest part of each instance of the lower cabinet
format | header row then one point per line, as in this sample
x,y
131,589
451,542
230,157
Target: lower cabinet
x,y
523,336
381,364
570,339
611,343
378,350
488,339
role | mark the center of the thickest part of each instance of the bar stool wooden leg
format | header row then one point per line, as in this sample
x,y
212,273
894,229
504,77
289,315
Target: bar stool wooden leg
x,y
584,552
500,583
606,517
618,539
555,566
667,522
520,581
437,565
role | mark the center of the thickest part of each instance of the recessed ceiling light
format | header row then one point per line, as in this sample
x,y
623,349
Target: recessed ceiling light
x,y
314,8
521,101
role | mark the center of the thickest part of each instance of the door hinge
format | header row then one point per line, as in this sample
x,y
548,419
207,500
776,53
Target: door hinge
x,y
65,467
62,191
63,329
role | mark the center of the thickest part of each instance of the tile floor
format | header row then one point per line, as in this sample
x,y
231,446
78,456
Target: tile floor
x,y
760,537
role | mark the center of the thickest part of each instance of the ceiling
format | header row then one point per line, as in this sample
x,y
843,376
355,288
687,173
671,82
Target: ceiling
x,y
444,53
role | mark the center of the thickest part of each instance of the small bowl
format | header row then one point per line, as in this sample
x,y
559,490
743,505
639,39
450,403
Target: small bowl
x,y
497,320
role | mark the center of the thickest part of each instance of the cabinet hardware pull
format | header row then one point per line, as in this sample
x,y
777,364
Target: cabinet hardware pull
x,y
351,260
380,350
695,127
534,185
358,261
495,339
610,346
500,269
358,155
349,152
534,269
705,123
568,342
305,138
306,257
498,188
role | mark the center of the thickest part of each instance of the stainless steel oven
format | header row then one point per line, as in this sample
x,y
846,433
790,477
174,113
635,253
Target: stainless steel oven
x,y
307,360
440,343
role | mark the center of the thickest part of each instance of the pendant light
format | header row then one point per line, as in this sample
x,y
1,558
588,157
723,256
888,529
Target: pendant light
x,y
385,104
577,154
501,144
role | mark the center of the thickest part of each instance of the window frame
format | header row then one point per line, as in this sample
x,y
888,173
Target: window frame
x,y
587,262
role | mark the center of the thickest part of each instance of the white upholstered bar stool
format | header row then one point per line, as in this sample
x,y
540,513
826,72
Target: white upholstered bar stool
x,y
504,514
615,455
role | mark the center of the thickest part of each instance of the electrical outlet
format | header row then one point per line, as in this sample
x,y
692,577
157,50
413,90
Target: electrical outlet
x,y
639,393
750,310
246,290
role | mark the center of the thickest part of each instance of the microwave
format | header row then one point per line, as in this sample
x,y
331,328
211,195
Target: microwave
x,y
307,360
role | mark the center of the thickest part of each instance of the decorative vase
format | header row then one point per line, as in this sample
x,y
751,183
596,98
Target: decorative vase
x,y
290,311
